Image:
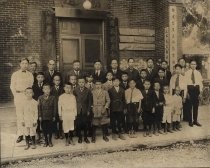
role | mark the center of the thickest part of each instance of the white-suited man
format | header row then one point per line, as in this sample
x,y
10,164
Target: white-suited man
x,y
20,80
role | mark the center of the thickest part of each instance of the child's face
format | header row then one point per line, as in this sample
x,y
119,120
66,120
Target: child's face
x,y
143,74
156,86
177,91
132,84
161,73
33,67
29,93
81,83
46,90
193,65
24,65
166,90
98,85
40,78
109,76
125,77
89,79
97,66
57,80
178,70
73,80
147,85
67,89
164,65
116,82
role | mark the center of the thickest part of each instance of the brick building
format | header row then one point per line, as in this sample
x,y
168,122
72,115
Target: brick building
x,y
63,30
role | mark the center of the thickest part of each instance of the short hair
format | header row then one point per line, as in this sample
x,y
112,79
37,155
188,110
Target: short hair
x,y
130,59
147,81
161,69
57,75
124,73
46,84
181,59
164,61
24,59
177,65
51,60
150,59
165,86
113,60
97,61
40,73
98,80
132,80
193,60
115,78
109,72
33,63
29,88
76,61
143,70
80,77
156,81
67,83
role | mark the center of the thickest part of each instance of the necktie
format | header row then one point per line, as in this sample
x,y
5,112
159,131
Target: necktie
x,y
131,95
40,85
177,81
51,73
193,77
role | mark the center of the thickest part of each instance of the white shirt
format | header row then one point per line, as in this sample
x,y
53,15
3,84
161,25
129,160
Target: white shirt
x,y
136,95
20,81
198,78
117,88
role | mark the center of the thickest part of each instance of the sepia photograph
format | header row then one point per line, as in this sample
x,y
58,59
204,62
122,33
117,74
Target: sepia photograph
x,y
104,83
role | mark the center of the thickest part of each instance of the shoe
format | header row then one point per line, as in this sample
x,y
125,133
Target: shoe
x,y
86,140
56,136
71,142
134,135
122,137
67,142
105,138
145,134
114,136
33,146
197,124
169,130
61,136
150,134
45,144
191,124
80,140
27,147
50,144
20,138
156,133
93,140
178,129
160,132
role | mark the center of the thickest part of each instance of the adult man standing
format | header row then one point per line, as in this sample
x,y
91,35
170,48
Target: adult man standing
x,y
20,80
151,72
194,89
133,74
114,68
33,67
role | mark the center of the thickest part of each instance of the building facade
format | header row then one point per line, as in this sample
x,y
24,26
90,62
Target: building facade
x,y
64,30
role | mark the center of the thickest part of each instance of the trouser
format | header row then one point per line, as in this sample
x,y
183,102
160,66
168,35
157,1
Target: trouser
x,y
18,101
117,122
148,120
158,119
47,128
58,126
104,130
81,124
193,92
70,135
132,116
29,131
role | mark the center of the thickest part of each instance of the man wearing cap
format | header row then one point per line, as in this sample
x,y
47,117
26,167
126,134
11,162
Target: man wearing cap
x,y
20,80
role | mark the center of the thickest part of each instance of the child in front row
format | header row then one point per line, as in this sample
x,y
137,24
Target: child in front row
x,y
108,84
47,108
167,110
29,118
133,99
67,109
177,99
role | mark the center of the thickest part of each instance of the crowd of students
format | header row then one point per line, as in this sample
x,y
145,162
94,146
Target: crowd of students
x,y
77,103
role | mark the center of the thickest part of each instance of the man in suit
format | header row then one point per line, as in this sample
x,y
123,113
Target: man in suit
x,y
151,72
51,72
161,79
84,102
98,73
168,74
114,68
143,77
117,106
33,67
133,74
75,71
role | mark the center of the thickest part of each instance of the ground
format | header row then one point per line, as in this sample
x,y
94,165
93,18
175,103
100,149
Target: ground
x,y
178,155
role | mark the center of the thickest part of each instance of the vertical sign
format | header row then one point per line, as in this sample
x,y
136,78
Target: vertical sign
x,y
167,46
173,32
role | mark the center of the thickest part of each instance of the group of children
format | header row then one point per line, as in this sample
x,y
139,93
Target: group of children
x,y
83,103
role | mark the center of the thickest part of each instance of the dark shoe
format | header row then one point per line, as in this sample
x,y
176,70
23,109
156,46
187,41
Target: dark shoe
x,y
27,147
67,142
86,140
169,130
145,134
114,136
80,140
45,144
105,138
61,136
50,144
56,136
191,124
20,138
71,141
93,140
197,124
155,133
122,137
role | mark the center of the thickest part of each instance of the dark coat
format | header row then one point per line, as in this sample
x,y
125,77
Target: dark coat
x,y
158,100
117,75
84,100
72,72
151,75
163,82
133,75
56,92
148,101
168,75
49,78
117,99
101,77
37,91
122,85
140,84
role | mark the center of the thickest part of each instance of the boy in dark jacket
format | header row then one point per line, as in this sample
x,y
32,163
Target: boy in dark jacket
x,y
47,108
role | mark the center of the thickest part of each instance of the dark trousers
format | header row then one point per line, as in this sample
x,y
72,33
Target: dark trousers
x,y
158,116
104,130
117,122
58,128
132,116
82,124
148,120
47,128
193,92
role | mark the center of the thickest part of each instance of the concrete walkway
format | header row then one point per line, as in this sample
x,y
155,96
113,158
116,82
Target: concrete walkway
x,y
11,151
